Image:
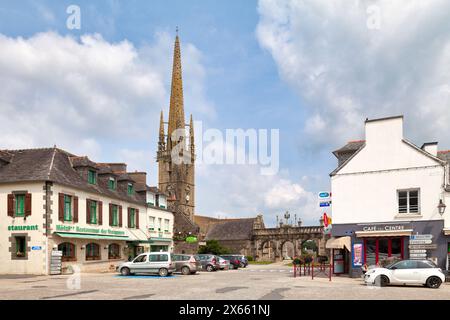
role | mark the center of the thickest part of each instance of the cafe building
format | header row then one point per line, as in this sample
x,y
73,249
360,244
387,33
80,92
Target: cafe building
x,y
389,199
56,204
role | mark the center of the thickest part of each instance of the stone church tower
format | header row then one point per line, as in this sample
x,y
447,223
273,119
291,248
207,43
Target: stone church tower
x,y
176,149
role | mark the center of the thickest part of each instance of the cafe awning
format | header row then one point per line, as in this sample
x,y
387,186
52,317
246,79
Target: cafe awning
x,y
384,233
339,243
90,236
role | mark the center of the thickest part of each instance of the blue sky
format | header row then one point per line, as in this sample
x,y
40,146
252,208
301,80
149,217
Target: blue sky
x,y
313,70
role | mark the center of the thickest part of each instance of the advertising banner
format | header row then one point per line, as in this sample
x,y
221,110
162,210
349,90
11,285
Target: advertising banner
x,y
357,254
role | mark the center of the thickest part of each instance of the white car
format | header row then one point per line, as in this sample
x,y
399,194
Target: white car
x,y
415,272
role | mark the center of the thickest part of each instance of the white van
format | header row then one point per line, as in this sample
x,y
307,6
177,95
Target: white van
x,y
150,262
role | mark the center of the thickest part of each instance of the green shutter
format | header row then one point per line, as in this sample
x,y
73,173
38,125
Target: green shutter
x,y
67,208
20,205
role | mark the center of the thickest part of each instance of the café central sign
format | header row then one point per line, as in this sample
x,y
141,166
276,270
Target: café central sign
x,y
77,229
389,227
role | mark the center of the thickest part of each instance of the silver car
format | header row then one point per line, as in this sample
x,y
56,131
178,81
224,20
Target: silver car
x,y
186,263
150,262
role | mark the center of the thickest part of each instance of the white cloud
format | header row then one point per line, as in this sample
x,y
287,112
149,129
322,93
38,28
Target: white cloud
x,y
346,72
91,96
241,191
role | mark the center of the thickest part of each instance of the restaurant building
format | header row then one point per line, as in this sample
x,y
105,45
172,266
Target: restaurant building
x,y
94,214
388,199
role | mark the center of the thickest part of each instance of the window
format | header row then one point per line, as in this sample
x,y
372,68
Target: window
x,y
68,251
378,249
151,223
408,201
130,189
150,199
166,225
141,258
67,208
92,251
20,205
406,264
112,184
93,207
158,257
425,264
132,218
114,215
113,251
162,202
159,224
21,247
92,177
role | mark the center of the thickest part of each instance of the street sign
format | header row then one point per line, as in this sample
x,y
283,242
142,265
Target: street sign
x,y
324,195
416,251
421,237
418,255
422,246
325,204
420,241
36,248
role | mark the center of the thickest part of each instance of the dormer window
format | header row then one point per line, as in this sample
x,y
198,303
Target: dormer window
x,y
112,185
92,177
150,199
130,189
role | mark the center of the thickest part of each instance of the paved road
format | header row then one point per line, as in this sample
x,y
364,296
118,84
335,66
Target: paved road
x,y
257,282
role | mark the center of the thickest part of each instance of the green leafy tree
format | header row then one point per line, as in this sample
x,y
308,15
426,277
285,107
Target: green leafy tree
x,y
213,247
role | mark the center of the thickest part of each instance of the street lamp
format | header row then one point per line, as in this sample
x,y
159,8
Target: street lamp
x,y
441,207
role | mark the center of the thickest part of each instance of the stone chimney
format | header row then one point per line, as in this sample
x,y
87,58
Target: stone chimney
x,y
118,168
138,177
380,131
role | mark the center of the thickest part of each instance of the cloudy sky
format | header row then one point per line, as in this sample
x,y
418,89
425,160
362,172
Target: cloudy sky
x,y
315,70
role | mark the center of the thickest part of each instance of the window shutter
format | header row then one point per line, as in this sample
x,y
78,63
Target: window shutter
x,y
137,218
75,209
27,204
100,213
88,211
110,215
120,216
11,205
129,218
61,207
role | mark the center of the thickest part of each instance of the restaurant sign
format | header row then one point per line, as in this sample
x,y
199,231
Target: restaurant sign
x,y
101,231
381,227
23,228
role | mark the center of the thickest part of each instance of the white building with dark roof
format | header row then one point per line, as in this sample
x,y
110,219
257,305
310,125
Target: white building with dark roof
x,y
386,191
95,214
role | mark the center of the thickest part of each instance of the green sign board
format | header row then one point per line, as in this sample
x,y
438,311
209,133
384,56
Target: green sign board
x,y
23,228
89,230
191,239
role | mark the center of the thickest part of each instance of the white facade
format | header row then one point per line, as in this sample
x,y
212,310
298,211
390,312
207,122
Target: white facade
x,y
365,188
41,241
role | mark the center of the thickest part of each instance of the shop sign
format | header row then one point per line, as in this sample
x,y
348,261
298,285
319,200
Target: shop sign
x,y
325,204
77,229
389,227
36,248
23,228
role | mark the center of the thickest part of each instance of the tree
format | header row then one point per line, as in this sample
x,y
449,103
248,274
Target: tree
x,y
213,247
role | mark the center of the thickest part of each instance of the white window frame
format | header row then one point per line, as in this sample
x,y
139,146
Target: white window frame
x,y
408,206
151,223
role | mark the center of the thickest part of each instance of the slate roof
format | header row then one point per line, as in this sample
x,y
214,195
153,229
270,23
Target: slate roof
x,y
231,229
351,146
56,165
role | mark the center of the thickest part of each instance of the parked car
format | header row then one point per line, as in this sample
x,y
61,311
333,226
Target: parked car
x,y
224,264
405,272
234,261
209,262
150,262
186,263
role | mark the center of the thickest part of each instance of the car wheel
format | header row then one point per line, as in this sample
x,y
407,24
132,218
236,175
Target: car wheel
x,y
163,272
125,272
434,282
382,281
209,268
185,270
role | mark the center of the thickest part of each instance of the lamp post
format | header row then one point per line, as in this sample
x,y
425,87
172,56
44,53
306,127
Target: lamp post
x,y
441,207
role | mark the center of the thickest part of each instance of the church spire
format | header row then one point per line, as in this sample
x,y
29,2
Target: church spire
x,y
161,144
176,109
